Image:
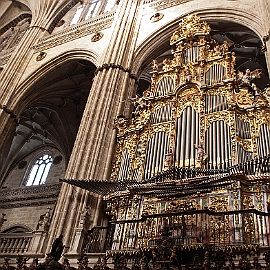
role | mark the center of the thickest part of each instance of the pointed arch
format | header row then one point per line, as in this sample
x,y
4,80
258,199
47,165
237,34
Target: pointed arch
x,y
45,115
17,100
157,43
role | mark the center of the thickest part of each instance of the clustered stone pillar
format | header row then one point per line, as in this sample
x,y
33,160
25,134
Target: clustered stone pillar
x,y
265,18
93,150
10,77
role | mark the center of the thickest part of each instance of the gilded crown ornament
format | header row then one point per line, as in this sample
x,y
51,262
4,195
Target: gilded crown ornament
x,y
189,27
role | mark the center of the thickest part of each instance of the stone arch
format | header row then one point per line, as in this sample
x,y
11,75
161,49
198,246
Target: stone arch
x,y
17,228
31,100
15,11
39,73
45,69
152,47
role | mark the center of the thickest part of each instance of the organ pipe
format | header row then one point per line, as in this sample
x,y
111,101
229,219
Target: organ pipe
x,y
199,76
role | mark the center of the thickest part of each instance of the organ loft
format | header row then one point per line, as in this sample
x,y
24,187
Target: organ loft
x,y
134,135
190,181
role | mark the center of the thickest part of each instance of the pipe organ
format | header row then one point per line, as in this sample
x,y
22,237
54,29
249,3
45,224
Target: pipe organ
x,y
196,114
191,177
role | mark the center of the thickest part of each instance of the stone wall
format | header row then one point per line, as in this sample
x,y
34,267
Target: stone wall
x,y
18,175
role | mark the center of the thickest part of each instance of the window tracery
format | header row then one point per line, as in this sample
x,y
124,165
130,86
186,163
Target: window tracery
x,y
91,8
39,170
10,38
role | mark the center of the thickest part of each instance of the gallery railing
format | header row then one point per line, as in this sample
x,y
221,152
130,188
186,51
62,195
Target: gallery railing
x,y
194,228
10,243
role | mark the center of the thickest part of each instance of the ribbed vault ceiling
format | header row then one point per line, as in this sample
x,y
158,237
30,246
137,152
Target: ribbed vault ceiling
x,y
53,117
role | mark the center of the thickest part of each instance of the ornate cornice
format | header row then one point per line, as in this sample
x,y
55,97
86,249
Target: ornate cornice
x,y
79,30
29,196
163,4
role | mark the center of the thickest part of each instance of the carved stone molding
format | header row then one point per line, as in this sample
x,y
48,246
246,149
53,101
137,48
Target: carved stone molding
x,y
163,4
156,17
97,36
29,196
41,56
8,111
75,32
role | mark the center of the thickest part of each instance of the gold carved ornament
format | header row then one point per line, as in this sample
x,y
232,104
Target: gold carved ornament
x,y
248,224
219,226
190,26
245,144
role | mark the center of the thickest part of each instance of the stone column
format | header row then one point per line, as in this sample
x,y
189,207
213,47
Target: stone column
x,y
267,54
89,157
37,243
11,103
93,150
264,7
9,81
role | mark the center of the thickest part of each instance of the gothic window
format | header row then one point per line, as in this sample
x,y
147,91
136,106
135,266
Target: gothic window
x,y
39,170
77,15
13,35
92,8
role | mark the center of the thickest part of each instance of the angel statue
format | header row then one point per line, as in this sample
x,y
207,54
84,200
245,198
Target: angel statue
x,y
247,78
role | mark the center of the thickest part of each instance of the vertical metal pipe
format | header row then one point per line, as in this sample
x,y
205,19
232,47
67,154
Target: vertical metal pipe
x,y
213,144
182,147
177,140
188,135
161,151
206,103
148,159
156,149
207,148
210,138
218,154
223,140
197,136
227,145
193,136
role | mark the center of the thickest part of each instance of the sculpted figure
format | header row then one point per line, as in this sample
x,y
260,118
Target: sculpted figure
x,y
201,155
57,248
247,78
155,65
